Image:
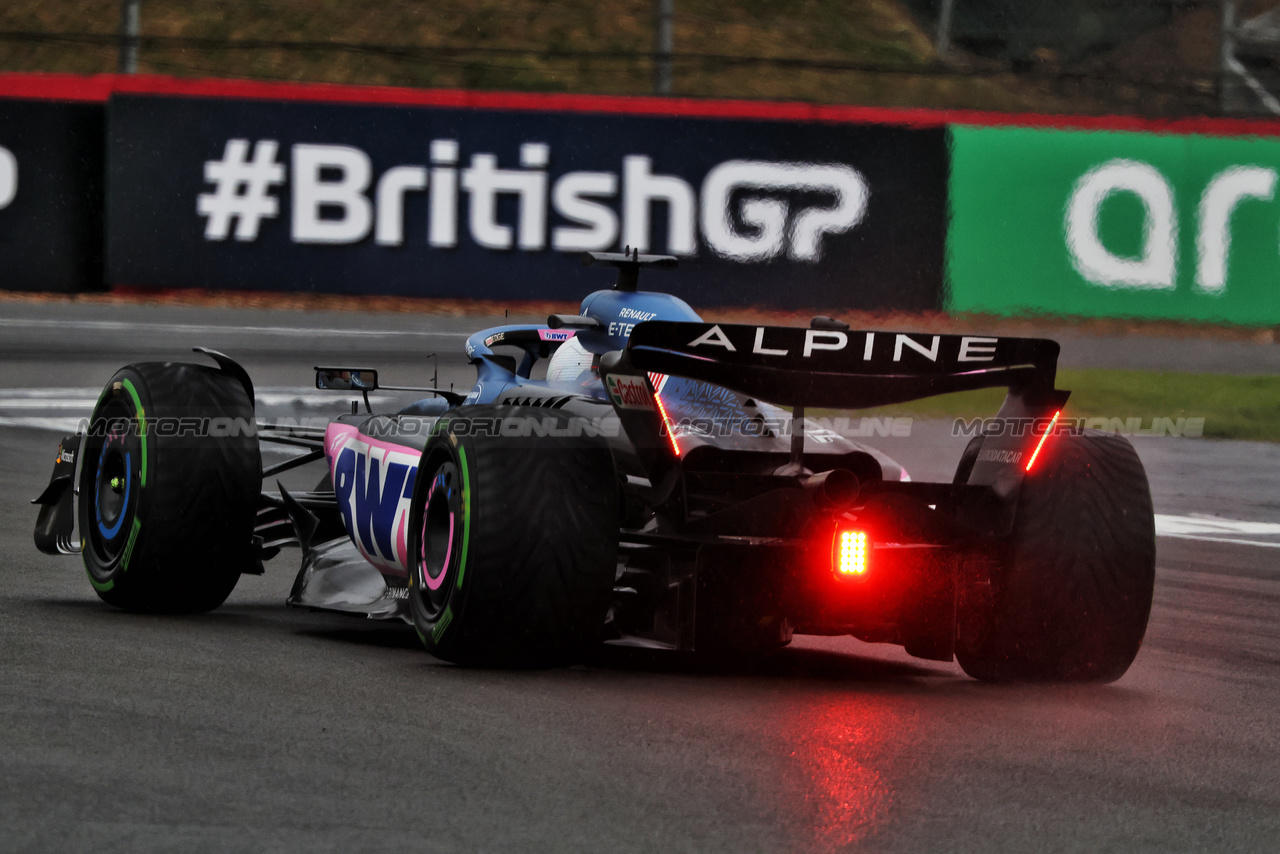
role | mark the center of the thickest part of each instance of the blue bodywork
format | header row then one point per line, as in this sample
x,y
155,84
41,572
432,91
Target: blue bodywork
x,y
617,312
373,477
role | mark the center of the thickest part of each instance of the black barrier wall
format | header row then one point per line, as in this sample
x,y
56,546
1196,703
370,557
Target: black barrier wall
x,y
51,169
486,203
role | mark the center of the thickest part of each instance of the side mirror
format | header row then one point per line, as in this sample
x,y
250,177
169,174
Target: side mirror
x,y
573,321
347,379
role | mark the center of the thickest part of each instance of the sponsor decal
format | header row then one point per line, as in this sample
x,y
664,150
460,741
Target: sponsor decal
x,y
8,177
872,346
442,201
242,190
1010,457
629,392
494,339
620,330
772,227
373,482
1115,224
751,211
556,334
334,441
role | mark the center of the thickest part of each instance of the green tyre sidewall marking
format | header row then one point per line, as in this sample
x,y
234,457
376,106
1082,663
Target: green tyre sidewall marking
x,y
140,414
556,556
466,517
142,428
187,532
128,546
442,626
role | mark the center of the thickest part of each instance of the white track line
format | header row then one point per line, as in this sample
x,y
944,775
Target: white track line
x,y
85,398
54,393
216,329
50,403
281,397
84,403
54,425
1203,524
1231,540
1213,529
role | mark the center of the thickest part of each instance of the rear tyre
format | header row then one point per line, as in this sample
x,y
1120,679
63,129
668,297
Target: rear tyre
x,y
1069,598
169,485
512,540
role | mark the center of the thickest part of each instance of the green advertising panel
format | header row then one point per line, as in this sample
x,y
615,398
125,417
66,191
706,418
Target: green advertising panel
x,y
1114,224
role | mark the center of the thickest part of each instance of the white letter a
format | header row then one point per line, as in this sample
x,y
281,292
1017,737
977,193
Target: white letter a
x,y
714,337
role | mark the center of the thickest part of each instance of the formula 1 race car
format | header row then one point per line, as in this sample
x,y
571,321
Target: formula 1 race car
x,y
661,487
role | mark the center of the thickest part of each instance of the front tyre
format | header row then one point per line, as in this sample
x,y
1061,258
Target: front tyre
x,y
1070,598
512,538
169,484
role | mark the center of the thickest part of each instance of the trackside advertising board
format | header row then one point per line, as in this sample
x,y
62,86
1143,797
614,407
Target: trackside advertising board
x,y
1114,224
51,168
224,184
500,203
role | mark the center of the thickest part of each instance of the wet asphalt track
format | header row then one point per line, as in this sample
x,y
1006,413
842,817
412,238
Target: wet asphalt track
x,y
261,728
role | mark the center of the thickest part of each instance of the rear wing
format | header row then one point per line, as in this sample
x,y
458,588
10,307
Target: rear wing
x,y
840,368
833,367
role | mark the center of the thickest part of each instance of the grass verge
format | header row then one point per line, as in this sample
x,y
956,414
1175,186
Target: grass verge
x,y
1233,407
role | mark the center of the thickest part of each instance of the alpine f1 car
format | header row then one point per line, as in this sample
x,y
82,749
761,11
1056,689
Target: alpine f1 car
x,y
661,487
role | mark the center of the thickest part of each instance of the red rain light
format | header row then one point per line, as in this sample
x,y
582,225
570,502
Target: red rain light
x,y
666,421
851,553
1052,423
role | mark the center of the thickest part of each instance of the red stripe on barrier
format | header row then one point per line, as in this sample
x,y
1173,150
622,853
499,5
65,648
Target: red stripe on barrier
x,y
56,87
98,88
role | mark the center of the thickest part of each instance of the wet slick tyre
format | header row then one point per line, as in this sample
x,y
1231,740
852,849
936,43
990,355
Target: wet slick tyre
x,y
512,539
1068,601
169,486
